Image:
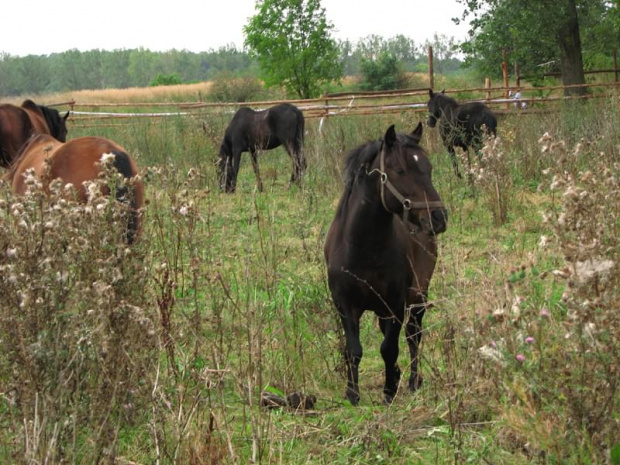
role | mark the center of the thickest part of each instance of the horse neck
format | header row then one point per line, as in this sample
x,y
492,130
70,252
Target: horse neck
x,y
448,110
369,223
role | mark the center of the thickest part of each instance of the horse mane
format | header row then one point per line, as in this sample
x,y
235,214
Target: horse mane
x,y
445,100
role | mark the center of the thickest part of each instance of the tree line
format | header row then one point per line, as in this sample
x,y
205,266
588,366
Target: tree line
x,y
101,69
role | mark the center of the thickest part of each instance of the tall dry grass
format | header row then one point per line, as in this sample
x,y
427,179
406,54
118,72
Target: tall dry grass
x,y
159,354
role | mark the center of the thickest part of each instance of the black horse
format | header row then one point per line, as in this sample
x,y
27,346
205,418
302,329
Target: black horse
x,y
461,125
252,131
381,249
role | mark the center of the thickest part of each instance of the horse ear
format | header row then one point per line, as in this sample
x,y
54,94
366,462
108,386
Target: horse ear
x,y
390,136
430,93
66,116
417,133
443,91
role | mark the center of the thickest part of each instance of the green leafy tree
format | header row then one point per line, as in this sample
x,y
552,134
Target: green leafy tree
x,y
384,73
291,40
533,32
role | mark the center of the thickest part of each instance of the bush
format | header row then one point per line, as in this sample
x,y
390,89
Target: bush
x,y
384,73
79,341
227,88
166,80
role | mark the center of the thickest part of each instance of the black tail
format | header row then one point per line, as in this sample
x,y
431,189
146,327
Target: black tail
x,y
122,164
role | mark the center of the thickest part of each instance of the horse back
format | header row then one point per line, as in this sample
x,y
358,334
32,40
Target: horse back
x,y
33,155
474,115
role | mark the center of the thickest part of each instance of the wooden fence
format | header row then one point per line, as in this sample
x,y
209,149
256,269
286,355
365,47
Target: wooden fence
x,y
500,99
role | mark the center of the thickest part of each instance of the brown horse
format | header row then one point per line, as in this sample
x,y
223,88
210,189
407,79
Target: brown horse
x,y
381,250
17,124
75,162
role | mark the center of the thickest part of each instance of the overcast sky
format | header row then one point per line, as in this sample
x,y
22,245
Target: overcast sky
x,y
41,27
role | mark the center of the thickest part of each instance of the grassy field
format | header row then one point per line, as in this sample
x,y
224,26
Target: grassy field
x,y
160,353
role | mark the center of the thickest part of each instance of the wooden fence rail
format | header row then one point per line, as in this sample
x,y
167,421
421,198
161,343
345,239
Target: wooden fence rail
x,y
347,103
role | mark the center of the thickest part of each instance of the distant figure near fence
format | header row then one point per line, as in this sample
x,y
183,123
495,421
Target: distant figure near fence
x,y
251,131
461,125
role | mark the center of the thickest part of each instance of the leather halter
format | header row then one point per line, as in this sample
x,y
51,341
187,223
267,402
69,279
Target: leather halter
x,y
407,204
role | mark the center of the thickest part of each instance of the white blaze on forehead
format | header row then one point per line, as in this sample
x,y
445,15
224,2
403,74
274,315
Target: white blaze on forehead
x,y
415,157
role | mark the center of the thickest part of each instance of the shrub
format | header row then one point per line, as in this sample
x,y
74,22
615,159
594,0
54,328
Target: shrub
x,y
227,88
384,73
162,79
78,340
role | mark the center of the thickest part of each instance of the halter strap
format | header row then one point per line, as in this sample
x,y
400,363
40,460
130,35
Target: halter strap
x,y
407,204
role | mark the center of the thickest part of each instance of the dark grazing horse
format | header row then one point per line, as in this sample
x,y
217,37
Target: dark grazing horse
x,y
252,131
75,162
461,125
381,250
17,124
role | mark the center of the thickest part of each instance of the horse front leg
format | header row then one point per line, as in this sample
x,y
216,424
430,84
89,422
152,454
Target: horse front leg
x,y
455,162
352,354
414,336
259,181
390,327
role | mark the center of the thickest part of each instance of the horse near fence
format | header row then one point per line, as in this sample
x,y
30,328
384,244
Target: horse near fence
x,y
461,126
381,250
251,131
18,124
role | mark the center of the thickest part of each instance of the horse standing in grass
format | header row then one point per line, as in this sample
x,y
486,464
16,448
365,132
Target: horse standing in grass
x,y
18,124
252,131
76,162
461,126
381,250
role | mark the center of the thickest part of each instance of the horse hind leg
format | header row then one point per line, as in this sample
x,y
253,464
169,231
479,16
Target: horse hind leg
x,y
390,327
125,195
296,153
259,181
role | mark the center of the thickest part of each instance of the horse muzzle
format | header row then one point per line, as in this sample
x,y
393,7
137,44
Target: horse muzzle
x,y
439,220
435,223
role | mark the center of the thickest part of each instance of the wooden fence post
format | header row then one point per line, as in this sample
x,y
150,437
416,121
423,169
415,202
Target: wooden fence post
x,y
616,65
505,76
431,79
517,75
487,85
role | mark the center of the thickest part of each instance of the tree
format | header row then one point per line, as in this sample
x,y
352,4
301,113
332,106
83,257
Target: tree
x,y
291,40
533,32
384,73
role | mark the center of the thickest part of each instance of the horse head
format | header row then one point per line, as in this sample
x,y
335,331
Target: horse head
x,y
56,123
406,183
434,111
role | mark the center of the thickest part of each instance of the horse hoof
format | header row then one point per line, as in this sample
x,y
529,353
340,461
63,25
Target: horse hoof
x,y
353,398
415,383
388,399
